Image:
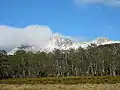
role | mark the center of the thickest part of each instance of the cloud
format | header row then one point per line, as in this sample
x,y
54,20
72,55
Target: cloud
x,y
102,2
11,37
34,34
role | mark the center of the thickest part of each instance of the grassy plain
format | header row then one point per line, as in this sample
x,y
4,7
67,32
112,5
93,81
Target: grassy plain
x,y
60,87
64,80
62,83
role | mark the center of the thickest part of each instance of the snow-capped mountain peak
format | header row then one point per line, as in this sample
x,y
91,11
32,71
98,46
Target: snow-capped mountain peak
x,y
25,47
100,40
58,41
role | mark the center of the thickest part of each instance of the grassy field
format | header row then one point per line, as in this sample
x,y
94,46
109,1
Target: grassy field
x,y
62,83
64,80
60,87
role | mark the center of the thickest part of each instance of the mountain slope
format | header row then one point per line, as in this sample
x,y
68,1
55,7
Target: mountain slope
x,y
57,41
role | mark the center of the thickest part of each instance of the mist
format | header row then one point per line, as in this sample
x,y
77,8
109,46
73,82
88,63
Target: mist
x,y
11,37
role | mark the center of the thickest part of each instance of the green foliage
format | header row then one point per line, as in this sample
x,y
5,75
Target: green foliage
x,y
92,61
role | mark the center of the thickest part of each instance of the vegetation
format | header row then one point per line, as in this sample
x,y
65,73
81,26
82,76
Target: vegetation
x,y
61,87
92,61
64,80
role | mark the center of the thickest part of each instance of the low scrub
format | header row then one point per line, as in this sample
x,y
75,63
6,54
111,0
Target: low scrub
x,y
64,80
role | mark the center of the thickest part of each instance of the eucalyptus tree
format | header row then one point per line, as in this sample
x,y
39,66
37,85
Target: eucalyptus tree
x,y
4,65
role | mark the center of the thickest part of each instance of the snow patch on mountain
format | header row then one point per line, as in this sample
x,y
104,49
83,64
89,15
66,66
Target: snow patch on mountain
x,y
58,41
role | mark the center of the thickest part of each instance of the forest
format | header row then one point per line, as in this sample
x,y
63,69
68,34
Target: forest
x,y
95,60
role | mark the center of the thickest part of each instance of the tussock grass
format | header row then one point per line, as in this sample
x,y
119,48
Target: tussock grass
x,y
64,80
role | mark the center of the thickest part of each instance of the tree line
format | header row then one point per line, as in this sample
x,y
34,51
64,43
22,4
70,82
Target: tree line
x,y
95,60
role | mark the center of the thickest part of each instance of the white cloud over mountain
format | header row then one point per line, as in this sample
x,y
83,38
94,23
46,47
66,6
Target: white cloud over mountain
x,y
34,34
11,37
102,2
41,38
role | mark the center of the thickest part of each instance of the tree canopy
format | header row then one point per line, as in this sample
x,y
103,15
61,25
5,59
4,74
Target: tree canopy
x,y
101,60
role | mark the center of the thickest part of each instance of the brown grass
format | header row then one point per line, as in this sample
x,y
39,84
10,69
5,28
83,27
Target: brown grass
x,y
60,87
64,80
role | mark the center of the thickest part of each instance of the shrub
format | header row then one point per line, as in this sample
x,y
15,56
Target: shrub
x,y
63,80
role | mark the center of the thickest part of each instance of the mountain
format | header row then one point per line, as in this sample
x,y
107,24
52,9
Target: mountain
x,y
57,41
25,47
